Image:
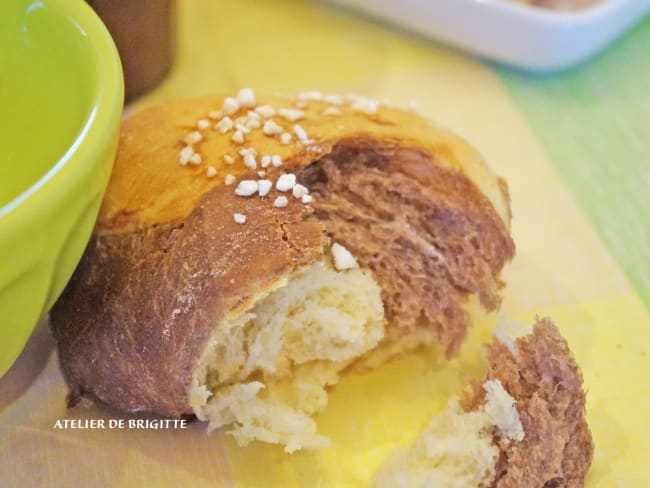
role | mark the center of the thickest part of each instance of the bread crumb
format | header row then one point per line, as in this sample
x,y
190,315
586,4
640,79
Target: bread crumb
x,y
247,150
265,161
286,182
285,138
246,97
332,111
185,155
276,161
310,95
228,159
224,125
192,138
281,202
239,218
230,106
253,124
261,173
249,161
242,128
229,179
215,114
306,199
249,157
301,135
265,111
365,105
264,187
211,172
333,98
271,128
299,191
291,114
343,259
195,159
246,188
253,120
238,137
203,124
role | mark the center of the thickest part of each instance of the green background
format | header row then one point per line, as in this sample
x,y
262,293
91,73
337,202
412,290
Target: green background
x,y
594,123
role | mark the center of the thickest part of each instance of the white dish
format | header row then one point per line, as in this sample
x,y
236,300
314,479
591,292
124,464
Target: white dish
x,y
533,38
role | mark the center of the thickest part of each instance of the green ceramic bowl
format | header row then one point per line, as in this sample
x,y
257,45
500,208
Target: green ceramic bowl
x,y
61,92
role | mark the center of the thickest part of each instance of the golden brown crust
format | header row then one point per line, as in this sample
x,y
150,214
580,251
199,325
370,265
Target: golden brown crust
x,y
137,314
138,197
547,384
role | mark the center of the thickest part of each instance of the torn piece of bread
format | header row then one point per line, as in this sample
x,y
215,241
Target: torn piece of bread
x,y
457,449
249,249
524,426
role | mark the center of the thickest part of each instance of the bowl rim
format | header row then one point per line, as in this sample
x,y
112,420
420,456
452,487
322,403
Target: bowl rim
x,y
103,107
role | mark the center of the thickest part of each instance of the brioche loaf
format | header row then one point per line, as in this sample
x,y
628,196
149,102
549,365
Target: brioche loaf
x,y
248,250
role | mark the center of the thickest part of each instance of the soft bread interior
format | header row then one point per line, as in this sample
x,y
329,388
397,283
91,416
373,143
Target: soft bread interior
x,y
265,371
456,450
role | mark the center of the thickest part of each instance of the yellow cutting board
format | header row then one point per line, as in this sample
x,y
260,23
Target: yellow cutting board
x,y
561,269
